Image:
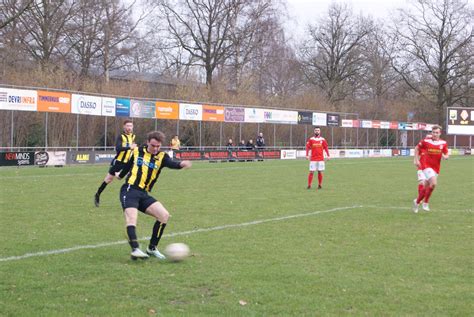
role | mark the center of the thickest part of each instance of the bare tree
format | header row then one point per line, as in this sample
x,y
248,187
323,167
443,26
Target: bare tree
x,y
332,57
433,51
44,25
11,10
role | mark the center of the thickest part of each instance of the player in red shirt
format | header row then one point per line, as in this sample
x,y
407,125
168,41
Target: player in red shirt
x,y
433,150
421,176
315,148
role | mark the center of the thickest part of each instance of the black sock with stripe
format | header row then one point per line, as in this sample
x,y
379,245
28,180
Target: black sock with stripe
x,y
132,237
156,234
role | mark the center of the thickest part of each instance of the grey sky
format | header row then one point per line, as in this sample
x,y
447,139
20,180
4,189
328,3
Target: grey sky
x,y
303,12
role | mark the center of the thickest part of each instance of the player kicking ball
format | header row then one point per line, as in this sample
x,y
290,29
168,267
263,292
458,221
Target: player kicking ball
x,y
144,168
315,148
428,155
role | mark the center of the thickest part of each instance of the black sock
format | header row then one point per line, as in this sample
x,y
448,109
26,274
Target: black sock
x,y
102,187
132,237
158,229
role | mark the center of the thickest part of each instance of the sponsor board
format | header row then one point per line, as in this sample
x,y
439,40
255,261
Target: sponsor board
x,y
79,157
319,119
122,107
167,110
332,120
51,101
216,155
302,154
288,154
189,111
384,125
108,106
212,113
18,99
234,114
347,123
254,115
43,158
305,117
280,116
244,155
366,124
142,109
269,154
188,155
351,153
104,157
87,105
334,153
17,158
375,124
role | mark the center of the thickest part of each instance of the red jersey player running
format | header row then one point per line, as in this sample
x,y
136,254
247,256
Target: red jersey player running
x,y
433,150
315,148
421,176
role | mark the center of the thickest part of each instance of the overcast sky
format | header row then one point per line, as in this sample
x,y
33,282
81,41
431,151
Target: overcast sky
x,y
303,12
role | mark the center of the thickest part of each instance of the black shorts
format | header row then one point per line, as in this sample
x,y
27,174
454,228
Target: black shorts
x,y
131,197
116,166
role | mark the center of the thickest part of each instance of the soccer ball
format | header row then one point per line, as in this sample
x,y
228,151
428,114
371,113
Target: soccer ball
x,y
177,252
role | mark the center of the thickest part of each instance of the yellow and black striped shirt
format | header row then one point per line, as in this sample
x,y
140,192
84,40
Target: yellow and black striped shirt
x,y
122,146
144,167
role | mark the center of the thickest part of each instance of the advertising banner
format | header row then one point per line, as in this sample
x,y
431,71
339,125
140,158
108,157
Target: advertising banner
x,y
51,101
18,99
461,121
167,110
244,155
17,158
108,106
319,119
384,125
88,105
122,107
280,116
351,153
333,120
375,124
190,111
253,115
43,158
305,117
234,114
394,125
104,157
142,109
217,155
80,157
288,154
366,124
188,155
334,153
347,123
212,113
356,123
269,154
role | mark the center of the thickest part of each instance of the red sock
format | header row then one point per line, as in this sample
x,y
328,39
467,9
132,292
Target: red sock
x,y
310,179
421,193
320,178
428,191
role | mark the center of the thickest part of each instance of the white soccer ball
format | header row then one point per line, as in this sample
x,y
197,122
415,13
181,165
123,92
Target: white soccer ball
x,y
177,251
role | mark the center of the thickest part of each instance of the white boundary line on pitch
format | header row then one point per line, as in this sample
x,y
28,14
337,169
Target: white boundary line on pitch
x,y
176,234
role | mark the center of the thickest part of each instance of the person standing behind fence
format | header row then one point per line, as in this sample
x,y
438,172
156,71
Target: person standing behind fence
x,y
175,143
260,140
123,146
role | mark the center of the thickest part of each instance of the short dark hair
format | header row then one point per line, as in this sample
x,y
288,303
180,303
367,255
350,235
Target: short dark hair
x,y
317,127
436,127
157,135
127,121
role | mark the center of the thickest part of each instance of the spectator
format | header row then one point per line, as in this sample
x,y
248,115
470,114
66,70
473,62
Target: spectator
x,y
260,140
230,145
175,143
242,145
250,145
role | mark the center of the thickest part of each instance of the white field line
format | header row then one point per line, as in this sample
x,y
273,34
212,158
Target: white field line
x,y
409,208
175,234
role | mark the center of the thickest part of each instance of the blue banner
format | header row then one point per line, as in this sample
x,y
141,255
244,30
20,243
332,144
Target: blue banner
x,y
122,107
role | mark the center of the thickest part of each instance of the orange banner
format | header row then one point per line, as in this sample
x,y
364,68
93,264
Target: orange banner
x,y
50,101
212,113
167,110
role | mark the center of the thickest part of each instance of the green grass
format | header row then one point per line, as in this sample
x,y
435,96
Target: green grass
x,y
378,259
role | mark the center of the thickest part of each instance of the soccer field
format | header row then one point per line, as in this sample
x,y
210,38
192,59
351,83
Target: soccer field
x,y
261,243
